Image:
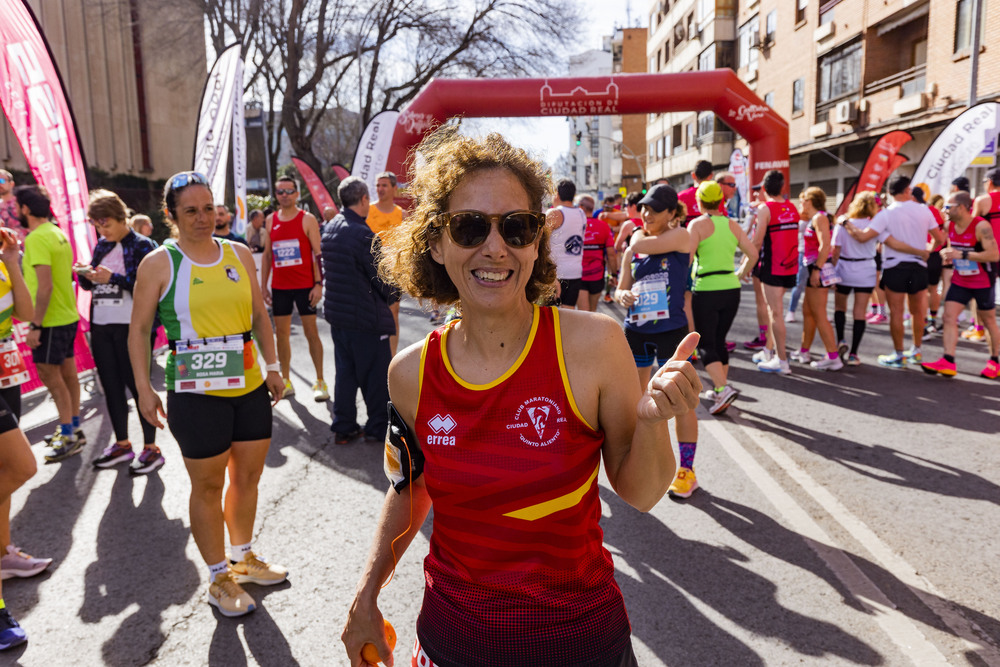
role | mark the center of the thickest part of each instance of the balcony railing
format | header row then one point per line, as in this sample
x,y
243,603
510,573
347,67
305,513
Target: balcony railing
x,y
910,81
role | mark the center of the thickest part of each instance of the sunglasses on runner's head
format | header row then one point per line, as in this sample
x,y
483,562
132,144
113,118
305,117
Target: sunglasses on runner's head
x,y
186,178
281,191
469,229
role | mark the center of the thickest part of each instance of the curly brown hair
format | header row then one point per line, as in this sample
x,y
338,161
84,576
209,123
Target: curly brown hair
x,y
441,161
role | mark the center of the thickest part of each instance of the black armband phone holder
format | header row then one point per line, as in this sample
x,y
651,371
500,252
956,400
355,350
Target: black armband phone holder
x,y
404,460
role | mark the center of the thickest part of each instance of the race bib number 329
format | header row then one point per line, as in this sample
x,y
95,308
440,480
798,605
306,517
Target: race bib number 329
x,y
210,365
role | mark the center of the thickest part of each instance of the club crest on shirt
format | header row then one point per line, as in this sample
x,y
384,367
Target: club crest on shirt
x,y
232,273
538,421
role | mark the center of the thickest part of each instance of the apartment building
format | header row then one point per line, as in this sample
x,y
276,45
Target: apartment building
x,y
843,73
134,72
688,35
628,169
590,137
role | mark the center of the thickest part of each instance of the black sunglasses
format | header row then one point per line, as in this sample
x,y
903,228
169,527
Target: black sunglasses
x,y
731,185
469,229
280,191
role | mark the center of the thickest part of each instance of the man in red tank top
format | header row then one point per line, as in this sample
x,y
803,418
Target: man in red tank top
x,y
972,248
291,264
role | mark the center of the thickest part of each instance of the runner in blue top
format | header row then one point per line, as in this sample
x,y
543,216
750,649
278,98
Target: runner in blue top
x,y
652,287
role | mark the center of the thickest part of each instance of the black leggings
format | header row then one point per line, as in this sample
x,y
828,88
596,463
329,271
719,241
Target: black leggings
x,y
109,343
714,313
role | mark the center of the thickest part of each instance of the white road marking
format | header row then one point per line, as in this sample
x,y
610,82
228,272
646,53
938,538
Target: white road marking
x,y
895,624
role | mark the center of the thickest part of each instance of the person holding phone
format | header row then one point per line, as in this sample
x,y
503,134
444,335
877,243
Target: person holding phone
x,y
110,278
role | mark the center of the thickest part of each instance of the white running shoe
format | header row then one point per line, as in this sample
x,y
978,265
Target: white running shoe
x,y
723,400
828,364
775,365
790,316
800,357
762,356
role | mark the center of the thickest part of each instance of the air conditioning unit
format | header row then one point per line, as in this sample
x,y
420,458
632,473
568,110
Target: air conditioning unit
x,y
754,39
846,112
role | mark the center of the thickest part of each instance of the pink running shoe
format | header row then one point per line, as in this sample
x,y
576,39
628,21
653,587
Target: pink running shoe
x,y
730,346
878,318
991,371
756,344
940,367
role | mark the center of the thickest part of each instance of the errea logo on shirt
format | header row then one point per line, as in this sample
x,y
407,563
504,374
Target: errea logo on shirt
x,y
442,426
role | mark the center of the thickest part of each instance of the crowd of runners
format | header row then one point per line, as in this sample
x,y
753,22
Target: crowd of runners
x,y
673,262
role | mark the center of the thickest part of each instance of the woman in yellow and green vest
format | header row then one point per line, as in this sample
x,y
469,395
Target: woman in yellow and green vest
x,y
218,406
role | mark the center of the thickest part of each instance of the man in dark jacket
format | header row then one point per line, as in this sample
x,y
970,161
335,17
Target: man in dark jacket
x,y
356,304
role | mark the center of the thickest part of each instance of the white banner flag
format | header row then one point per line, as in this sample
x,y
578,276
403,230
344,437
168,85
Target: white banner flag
x,y
372,155
215,120
957,146
239,155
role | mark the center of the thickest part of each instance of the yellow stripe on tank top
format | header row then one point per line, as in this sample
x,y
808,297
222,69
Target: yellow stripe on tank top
x,y
571,499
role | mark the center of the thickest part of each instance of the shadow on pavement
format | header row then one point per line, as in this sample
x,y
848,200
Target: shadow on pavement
x,y
764,533
901,468
124,574
266,642
671,569
39,530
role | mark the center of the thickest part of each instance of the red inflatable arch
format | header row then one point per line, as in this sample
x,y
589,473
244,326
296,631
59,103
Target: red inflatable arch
x,y
719,90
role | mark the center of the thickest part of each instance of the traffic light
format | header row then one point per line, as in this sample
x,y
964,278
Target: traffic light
x,y
579,138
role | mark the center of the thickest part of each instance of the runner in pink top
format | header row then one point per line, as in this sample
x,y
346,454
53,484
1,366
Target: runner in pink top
x,y
598,254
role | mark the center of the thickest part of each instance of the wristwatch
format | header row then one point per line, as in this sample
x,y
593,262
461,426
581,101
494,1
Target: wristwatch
x,y
34,327
965,254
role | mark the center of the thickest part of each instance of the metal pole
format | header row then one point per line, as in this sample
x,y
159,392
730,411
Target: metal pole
x,y
977,6
977,9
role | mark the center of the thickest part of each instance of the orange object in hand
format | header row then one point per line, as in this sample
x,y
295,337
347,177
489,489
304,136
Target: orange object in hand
x,y
370,654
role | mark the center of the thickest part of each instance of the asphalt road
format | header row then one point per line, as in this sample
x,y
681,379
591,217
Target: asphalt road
x,y
846,518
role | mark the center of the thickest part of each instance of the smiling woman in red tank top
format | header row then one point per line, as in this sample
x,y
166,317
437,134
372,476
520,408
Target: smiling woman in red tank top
x,y
511,414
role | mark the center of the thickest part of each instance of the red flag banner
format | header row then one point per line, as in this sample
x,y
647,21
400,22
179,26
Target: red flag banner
x,y
34,101
320,195
341,171
881,162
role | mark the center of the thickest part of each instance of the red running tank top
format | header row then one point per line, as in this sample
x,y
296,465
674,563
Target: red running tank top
x,y
517,573
972,275
291,254
779,255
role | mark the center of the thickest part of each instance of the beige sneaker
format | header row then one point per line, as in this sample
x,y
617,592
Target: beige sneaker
x,y
231,600
254,570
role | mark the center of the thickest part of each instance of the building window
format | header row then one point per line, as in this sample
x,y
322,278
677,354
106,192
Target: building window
x,y
963,25
826,17
748,56
769,99
706,60
771,26
706,8
676,145
798,95
706,123
692,32
691,132
840,73
651,151
800,10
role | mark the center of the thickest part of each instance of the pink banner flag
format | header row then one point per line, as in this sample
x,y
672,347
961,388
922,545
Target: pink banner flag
x,y
33,99
320,195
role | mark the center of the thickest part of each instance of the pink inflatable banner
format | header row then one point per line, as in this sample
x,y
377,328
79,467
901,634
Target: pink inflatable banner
x,y
320,195
33,99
